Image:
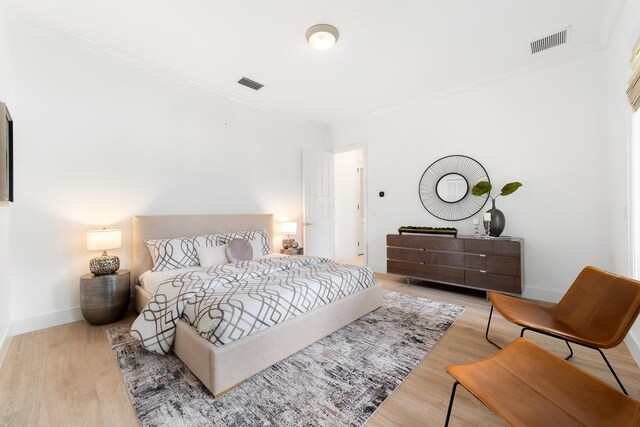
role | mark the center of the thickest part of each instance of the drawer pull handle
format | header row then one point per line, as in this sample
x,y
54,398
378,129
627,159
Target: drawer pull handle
x,y
483,271
483,255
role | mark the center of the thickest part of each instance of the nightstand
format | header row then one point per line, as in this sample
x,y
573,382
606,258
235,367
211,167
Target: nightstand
x,y
104,298
293,251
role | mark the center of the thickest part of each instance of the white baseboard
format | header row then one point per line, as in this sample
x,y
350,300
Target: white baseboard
x,y
47,320
542,294
5,342
633,344
531,292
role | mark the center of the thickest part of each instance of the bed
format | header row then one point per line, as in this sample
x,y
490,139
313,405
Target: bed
x,y
223,367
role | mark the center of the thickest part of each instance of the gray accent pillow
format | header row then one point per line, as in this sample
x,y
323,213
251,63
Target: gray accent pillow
x,y
239,250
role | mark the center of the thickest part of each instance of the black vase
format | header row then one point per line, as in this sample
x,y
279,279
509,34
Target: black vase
x,y
497,220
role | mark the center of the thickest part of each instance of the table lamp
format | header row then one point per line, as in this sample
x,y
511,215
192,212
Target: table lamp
x,y
289,228
101,240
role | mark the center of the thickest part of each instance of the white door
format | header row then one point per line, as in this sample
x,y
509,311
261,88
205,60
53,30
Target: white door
x,y
317,172
360,210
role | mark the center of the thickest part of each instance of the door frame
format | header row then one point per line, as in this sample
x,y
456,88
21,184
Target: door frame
x,y
365,191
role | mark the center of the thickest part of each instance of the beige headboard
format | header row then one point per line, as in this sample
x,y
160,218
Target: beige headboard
x,y
167,226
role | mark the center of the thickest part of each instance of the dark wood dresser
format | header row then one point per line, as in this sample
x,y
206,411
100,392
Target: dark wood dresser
x,y
490,265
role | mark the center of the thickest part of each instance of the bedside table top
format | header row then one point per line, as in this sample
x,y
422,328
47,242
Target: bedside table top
x,y
292,251
121,272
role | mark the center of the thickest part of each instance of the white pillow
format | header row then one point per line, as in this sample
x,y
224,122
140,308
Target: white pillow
x,y
256,245
211,256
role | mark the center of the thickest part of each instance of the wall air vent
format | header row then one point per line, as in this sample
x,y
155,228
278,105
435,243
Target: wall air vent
x,y
552,40
250,83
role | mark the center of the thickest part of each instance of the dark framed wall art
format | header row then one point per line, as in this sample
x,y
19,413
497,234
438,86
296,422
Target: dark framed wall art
x,y
6,155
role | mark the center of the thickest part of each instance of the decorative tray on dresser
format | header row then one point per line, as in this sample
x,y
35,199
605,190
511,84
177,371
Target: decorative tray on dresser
x,y
485,264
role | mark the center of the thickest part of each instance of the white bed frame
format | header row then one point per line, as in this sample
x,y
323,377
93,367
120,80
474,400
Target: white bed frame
x,y
222,368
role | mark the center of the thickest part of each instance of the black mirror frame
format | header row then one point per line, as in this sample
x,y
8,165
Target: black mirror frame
x,y
469,205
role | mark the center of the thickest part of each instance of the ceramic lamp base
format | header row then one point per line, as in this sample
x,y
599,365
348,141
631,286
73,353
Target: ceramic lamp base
x,y
287,243
105,264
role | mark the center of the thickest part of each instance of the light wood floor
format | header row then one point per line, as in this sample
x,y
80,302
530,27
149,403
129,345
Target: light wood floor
x,y
67,375
356,260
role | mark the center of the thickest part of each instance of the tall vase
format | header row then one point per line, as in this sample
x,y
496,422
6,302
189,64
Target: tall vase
x,y
497,220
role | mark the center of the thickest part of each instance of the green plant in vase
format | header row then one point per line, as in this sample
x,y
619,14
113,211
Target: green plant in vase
x,y
497,217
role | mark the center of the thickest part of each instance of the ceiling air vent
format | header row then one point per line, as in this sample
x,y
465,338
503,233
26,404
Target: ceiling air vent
x,y
250,83
552,40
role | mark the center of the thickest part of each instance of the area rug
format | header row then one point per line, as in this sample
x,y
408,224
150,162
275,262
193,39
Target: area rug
x,y
339,380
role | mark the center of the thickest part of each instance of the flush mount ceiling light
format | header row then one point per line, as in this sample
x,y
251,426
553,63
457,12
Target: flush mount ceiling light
x,y
322,36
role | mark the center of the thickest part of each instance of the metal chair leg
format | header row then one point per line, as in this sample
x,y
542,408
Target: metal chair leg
x,y
570,355
486,334
612,371
571,351
567,342
453,395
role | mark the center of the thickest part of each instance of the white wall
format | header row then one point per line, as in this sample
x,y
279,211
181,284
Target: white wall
x,y
543,128
5,288
98,140
5,209
618,140
347,197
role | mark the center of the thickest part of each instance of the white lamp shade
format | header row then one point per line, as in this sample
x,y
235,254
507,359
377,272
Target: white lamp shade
x,y
289,227
101,240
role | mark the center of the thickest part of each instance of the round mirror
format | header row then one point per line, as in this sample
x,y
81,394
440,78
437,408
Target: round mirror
x,y
445,186
452,188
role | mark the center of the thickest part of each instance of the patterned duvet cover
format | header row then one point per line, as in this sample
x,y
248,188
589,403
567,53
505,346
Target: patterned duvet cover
x,y
231,301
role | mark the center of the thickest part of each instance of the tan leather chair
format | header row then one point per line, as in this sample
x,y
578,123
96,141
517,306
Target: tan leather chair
x,y
528,386
597,312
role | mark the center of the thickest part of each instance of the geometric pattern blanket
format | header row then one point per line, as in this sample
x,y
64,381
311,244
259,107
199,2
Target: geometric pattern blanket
x,y
228,302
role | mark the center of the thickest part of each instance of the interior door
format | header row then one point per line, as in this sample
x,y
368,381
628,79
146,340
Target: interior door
x,y
360,210
317,172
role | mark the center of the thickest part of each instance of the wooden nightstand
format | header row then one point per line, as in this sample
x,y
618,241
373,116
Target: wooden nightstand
x,y
105,298
292,251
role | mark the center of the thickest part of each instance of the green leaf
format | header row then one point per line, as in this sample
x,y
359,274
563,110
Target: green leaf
x,y
481,188
510,188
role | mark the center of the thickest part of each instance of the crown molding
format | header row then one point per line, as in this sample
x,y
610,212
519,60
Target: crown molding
x,y
585,51
47,29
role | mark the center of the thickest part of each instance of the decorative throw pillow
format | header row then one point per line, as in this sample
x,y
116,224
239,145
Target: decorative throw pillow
x,y
249,235
169,254
256,246
210,256
239,250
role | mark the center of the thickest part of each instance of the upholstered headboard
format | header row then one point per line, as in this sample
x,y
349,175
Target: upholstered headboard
x,y
168,226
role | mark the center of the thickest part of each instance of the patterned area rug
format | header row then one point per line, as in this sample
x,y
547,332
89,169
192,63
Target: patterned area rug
x,y
339,380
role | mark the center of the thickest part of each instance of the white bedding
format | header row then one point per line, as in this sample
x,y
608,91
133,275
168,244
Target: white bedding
x,y
231,301
150,280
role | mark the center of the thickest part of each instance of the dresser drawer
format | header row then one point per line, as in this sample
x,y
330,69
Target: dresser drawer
x,y
493,282
426,272
509,266
475,262
447,259
425,242
492,247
